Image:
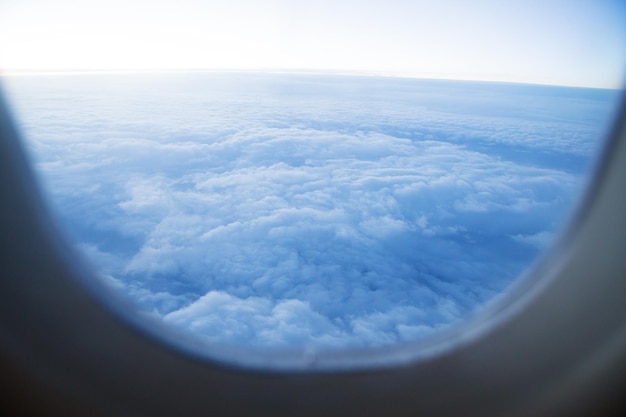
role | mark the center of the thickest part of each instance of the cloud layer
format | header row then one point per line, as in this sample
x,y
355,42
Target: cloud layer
x,y
282,211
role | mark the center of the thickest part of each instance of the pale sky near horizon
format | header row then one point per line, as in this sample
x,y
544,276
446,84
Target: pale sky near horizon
x,y
575,42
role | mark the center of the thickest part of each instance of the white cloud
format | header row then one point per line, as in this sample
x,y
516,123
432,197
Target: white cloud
x,y
306,219
539,240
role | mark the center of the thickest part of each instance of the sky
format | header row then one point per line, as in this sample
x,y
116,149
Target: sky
x,y
297,211
564,42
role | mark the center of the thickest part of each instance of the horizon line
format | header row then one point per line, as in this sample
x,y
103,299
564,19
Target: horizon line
x,y
31,72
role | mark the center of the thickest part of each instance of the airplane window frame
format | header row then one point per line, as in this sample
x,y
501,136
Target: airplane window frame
x,y
555,344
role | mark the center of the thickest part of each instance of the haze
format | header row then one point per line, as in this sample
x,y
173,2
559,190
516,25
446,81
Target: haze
x,y
578,43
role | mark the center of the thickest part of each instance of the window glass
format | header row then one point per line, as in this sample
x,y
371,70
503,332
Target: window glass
x,y
326,174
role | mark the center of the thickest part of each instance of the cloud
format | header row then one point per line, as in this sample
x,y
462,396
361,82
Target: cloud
x,y
539,240
371,216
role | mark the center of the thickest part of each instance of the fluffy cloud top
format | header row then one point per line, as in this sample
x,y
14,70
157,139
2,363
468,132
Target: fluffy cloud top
x,y
288,211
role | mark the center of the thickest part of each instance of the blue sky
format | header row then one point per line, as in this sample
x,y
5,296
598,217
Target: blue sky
x,y
567,42
291,211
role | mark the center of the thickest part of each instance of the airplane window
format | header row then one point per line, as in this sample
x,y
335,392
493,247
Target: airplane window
x,y
321,176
